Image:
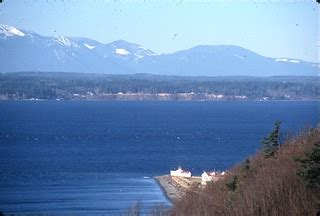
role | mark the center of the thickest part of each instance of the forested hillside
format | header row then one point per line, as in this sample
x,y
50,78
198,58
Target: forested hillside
x,y
151,87
283,183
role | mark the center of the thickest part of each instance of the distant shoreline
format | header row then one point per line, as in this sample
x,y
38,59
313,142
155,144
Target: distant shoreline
x,y
169,100
139,87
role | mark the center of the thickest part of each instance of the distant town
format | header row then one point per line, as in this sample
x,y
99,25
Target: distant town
x,y
129,96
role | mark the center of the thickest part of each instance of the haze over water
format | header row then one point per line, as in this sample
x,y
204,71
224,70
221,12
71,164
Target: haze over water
x,y
96,157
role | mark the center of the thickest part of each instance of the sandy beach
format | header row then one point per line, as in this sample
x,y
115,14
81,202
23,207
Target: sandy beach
x,y
176,187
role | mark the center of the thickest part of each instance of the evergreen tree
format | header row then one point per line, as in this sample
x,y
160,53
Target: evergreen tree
x,y
245,165
232,184
310,167
271,143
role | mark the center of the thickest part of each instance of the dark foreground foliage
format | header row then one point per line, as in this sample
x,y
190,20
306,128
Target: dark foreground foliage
x,y
264,186
309,169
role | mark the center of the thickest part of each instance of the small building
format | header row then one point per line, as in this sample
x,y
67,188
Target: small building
x,y
211,176
180,173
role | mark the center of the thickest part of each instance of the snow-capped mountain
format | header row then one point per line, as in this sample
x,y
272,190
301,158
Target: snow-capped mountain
x,y
227,60
9,31
28,51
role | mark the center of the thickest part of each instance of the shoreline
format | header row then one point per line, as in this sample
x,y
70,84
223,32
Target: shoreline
x,y
173,188
167,188
153,100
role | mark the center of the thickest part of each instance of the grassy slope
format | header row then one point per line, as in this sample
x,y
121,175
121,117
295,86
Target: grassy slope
x,y
269,187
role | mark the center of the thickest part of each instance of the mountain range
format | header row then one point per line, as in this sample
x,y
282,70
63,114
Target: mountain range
x,y
24,50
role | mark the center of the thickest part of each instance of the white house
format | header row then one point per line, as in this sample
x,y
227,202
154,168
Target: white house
x,y
180,173
211,176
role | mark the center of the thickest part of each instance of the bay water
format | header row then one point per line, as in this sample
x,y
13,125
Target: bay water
x,y
98,157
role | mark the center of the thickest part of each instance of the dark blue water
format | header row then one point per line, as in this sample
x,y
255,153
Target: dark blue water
x,y
94,157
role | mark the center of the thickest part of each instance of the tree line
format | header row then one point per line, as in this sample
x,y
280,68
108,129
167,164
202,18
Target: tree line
x,y
66,85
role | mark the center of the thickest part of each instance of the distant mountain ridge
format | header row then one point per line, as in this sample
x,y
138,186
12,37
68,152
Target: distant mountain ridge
x,y
28,51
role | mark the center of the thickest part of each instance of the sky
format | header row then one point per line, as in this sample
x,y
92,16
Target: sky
x,y
273,28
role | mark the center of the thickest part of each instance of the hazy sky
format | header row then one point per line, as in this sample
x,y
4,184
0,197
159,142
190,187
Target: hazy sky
x,y
271,28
